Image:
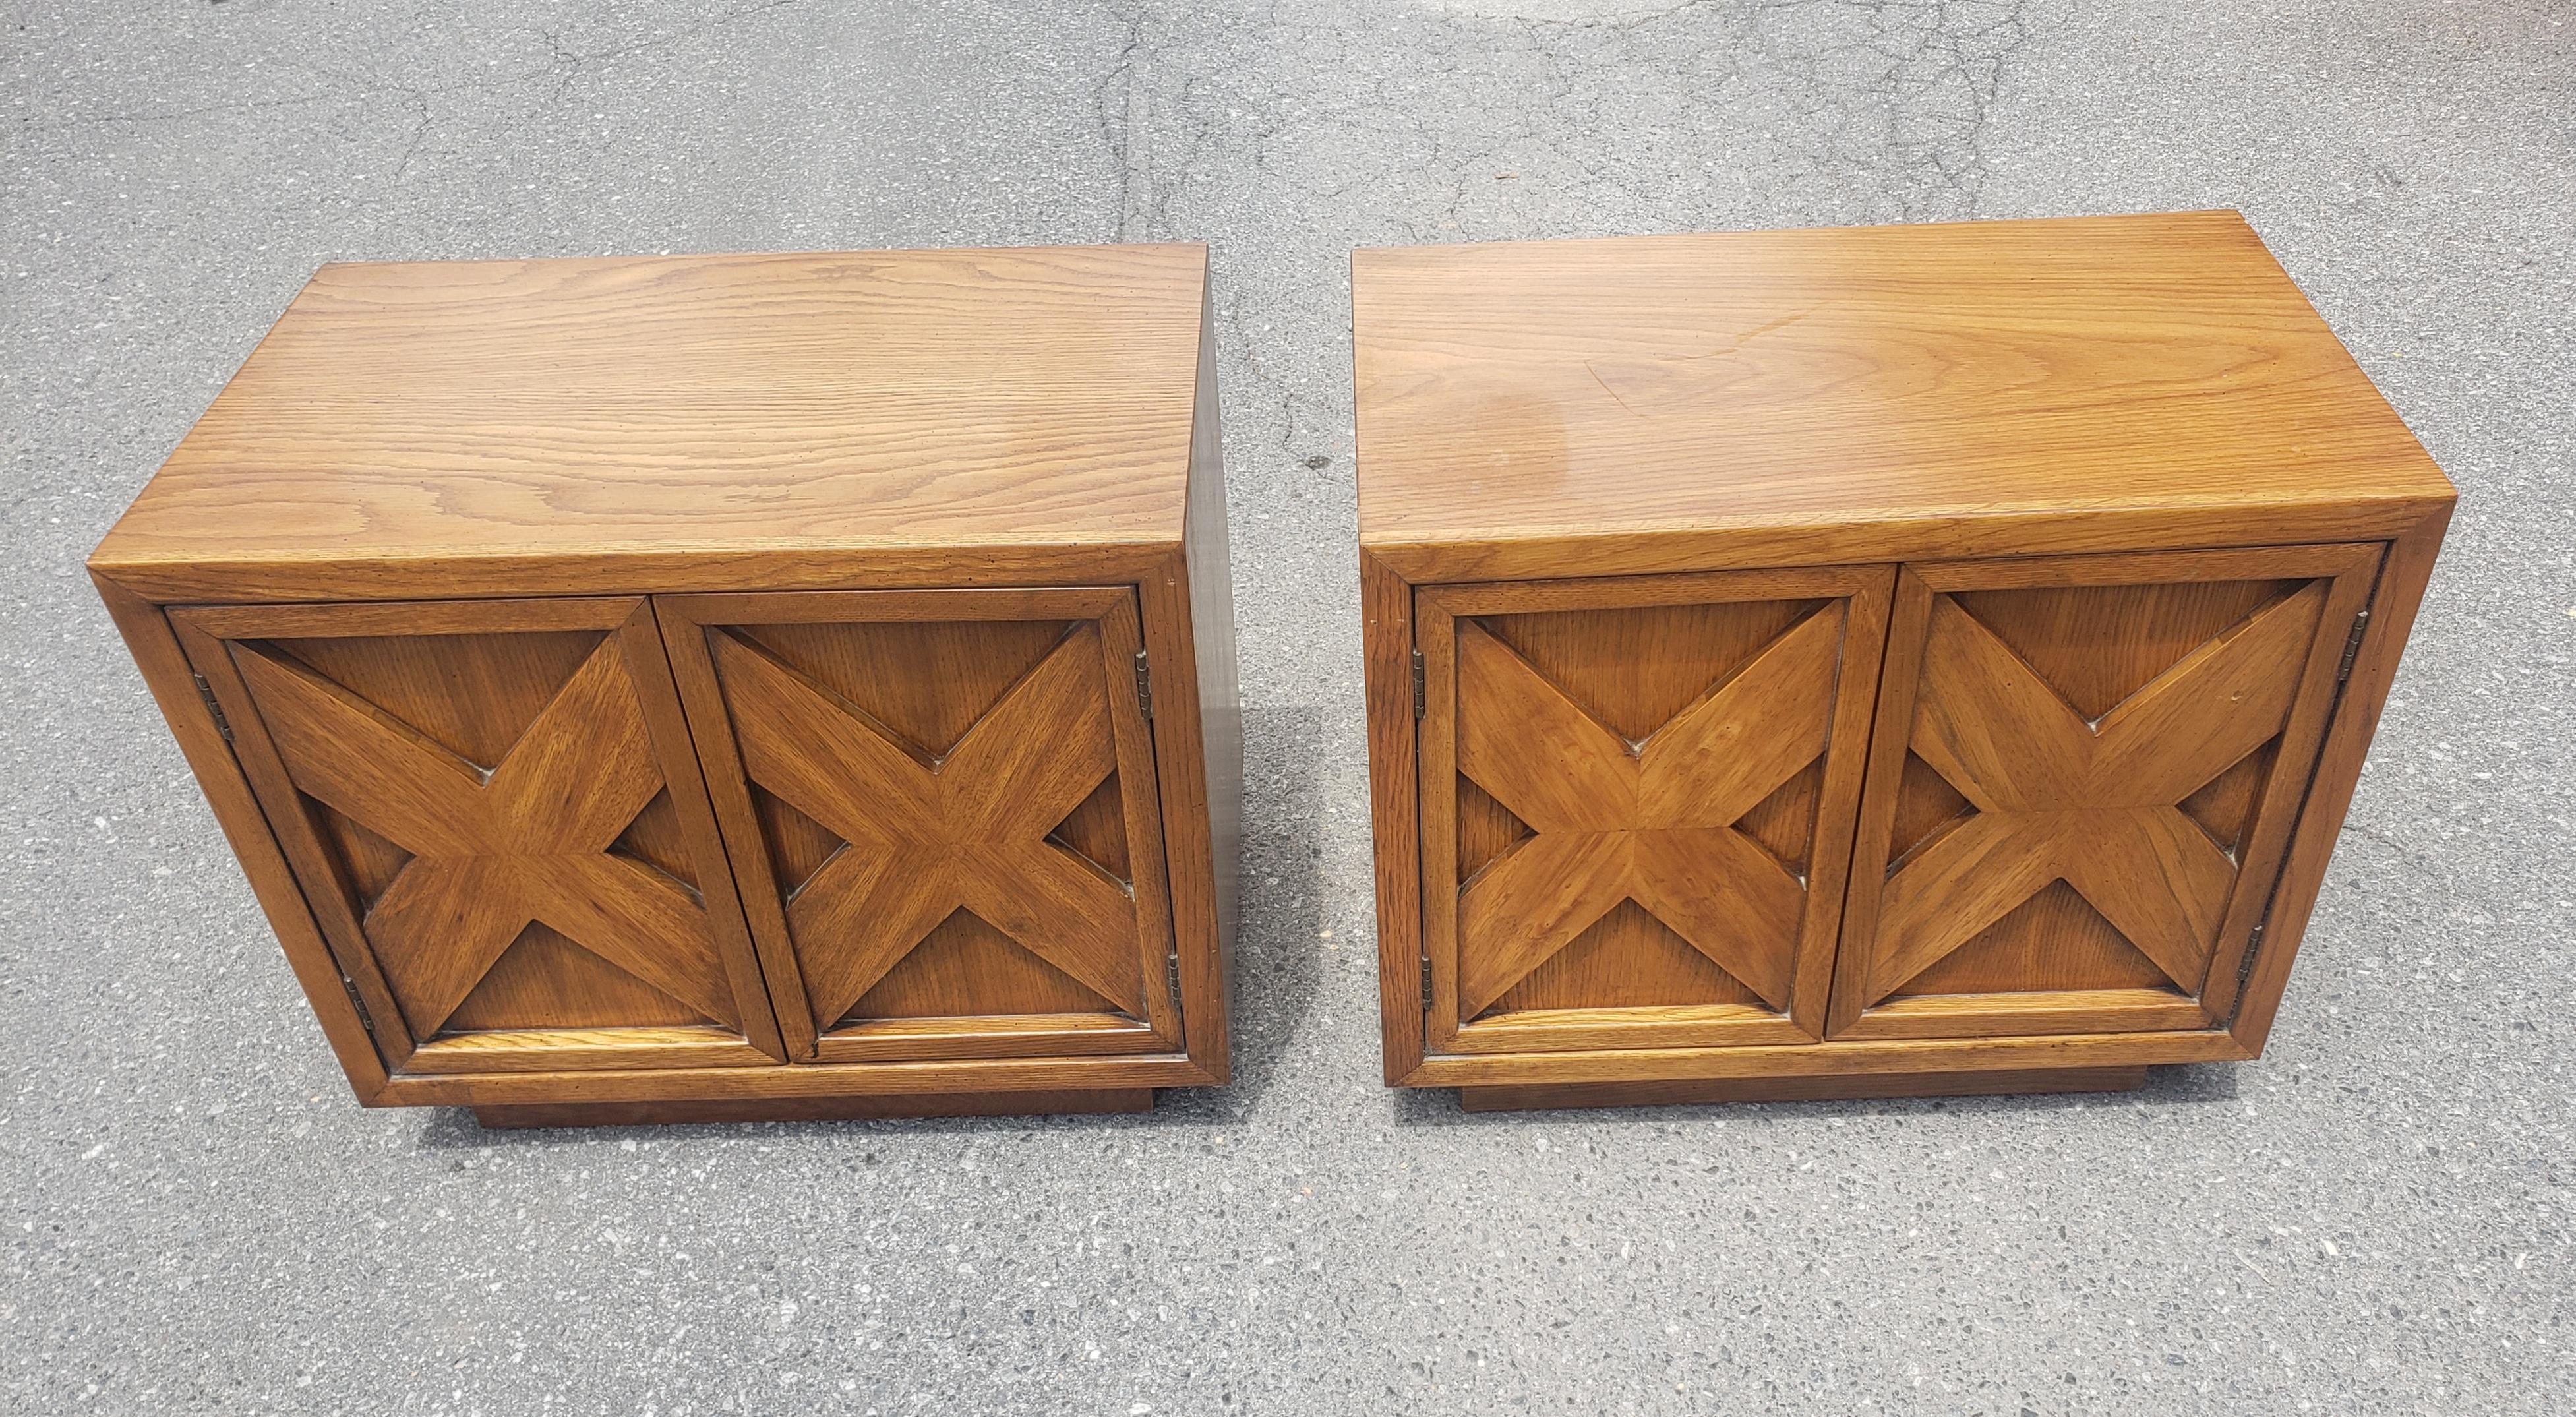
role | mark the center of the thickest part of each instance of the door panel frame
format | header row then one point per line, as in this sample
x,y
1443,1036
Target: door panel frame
x,y
206,633
685,622
2350,567
1864,592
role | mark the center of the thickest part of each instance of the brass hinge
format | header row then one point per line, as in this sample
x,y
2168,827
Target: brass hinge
x,y
1172,976
1421,688
366,1020
206,692
2352,645
1426,984
1144,685
2245,966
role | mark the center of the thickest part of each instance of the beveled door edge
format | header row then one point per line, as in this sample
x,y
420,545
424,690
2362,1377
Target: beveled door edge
x,y
2405,573
1861,594
1918,584
685,620
204,743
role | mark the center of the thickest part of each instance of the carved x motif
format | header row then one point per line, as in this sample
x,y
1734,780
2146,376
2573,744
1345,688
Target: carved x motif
x,y
2091,803
1651,821
527,841
969,830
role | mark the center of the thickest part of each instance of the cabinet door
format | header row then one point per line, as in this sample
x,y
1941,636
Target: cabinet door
x,y
496,817
2082,779
1637,799
941,805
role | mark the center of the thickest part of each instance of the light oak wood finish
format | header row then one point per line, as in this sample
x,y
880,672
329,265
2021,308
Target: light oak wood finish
x,y
462,601
1674,403
1639,854
2131,496
2079,726
670,423
460,801
1796,1089
1003,724
205,742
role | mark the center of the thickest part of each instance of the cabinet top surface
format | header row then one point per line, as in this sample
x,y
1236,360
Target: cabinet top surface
x,y
1892,374
687,404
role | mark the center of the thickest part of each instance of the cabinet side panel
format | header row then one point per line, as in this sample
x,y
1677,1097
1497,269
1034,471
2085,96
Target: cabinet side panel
x,y
2403,577
1386,636
1188,768
1220,711
165,672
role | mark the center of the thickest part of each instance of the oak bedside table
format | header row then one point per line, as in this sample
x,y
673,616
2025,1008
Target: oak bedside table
x,y
699,688
1895,660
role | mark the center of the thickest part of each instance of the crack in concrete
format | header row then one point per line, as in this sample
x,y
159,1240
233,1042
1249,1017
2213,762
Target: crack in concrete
x,y
1394,125
566,62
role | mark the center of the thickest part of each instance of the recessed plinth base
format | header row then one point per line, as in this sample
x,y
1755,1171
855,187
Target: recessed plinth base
x,y
817,1109
1798,1089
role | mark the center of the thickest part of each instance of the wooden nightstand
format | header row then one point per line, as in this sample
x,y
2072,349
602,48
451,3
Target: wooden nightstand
x,y
1872,661
683,688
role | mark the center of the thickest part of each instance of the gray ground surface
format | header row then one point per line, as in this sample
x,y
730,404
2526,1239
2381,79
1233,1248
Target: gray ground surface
x,y
2376,1218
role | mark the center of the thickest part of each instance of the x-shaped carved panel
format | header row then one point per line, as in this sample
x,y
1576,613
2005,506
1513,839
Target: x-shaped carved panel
x,y
2092,803
969,830
491,852
1651,821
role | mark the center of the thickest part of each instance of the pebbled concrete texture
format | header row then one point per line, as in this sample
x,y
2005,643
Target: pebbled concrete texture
x,y
2376,1218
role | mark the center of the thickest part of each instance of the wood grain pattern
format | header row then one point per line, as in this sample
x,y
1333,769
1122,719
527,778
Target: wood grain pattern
x,y
533,1050
2393,604
1655,825
2137,491
1611,752
804,1080
512,897
2017,1007
1865,393
415,445
166,673
657,423
1173,1070
1186,602
943,740
2093,697
1395,816
1831,1058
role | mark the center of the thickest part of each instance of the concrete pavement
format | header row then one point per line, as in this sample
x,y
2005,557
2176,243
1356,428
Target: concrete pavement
x,y
2376,1218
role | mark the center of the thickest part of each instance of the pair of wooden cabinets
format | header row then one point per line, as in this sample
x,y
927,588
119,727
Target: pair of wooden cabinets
x,y
1873,660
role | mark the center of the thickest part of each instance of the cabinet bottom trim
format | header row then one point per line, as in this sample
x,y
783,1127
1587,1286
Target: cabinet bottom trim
x,y
817,1109
1798,1089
